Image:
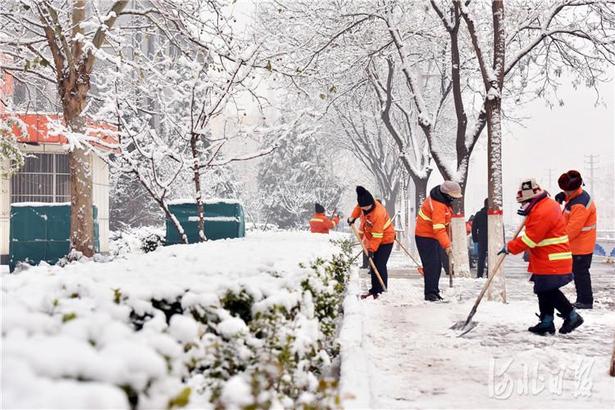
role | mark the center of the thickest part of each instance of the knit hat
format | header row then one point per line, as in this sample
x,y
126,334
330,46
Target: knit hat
x,y
319,208
451,188
570,181
528,189
364,198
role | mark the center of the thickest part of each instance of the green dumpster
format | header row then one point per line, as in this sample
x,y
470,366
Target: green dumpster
x,y
224,219
41,232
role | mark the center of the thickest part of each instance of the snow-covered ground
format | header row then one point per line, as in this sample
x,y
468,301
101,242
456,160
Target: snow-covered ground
x,y
398,351
131,332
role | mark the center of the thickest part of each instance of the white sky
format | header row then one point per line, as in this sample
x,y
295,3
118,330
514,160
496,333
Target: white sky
x,y
557,138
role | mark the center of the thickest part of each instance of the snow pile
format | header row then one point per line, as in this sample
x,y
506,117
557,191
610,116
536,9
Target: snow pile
x,y
136,240
248,321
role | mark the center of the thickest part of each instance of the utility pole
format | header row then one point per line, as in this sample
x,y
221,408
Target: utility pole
x,y
550,179
591,161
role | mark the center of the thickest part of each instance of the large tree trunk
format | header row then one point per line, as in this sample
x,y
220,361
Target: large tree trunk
x,y
390,200
420,190
493,105
495,229
81,195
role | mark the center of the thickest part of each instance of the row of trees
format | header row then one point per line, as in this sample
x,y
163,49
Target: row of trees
x,y
170,79
437,73
406,87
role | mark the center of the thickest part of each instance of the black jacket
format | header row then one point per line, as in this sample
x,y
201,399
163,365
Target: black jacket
x,y
479,227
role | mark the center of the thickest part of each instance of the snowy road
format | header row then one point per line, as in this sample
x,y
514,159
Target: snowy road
x,y
410,359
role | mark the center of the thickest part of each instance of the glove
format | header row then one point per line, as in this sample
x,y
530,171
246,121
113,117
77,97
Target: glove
x,y
350,220
504,251
449,251
370,254
560,197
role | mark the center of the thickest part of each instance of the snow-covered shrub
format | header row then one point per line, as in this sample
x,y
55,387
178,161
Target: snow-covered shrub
x,y
136,240
147,336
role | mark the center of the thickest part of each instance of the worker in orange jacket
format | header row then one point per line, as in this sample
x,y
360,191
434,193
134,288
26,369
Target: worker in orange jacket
x,y
550,258
431,234
378,236
319,223
580,215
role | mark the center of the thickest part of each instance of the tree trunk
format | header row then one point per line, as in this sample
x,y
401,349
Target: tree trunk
x,y
81,195
461,259
200,207
420,190
494,128
495,229
391,200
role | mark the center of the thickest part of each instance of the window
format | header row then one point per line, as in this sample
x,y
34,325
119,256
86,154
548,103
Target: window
x,y
43,178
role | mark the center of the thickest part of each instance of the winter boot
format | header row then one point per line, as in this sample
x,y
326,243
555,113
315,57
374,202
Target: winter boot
x,y
571,322
544,326
370,293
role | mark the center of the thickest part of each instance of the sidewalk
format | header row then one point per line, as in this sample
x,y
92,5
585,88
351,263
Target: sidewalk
x,y
413,360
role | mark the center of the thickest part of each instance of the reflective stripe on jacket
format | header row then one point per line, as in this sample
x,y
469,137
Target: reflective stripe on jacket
x,y
319,223
376,225
546,240
580,214
433,220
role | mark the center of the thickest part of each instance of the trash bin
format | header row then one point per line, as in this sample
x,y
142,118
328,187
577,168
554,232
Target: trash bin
x,y
41,232
224,219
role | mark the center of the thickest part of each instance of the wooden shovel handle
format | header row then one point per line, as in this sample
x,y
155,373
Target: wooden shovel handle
x,y
371,261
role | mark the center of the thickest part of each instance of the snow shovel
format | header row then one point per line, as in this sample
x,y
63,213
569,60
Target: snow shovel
x,y
468,325
371,261
419,268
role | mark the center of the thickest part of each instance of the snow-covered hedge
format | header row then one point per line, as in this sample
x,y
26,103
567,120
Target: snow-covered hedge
x,y
136,240
246,323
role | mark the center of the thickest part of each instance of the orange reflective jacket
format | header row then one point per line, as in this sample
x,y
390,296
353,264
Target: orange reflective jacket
x,y
432,221
376,225
319,223
580,214
546,239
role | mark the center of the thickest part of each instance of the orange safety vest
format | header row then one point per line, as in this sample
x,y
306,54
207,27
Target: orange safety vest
x,y
432,221
580,215
376,225
319,223
546,239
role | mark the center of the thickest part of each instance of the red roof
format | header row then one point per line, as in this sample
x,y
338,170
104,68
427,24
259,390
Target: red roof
x,y
38,125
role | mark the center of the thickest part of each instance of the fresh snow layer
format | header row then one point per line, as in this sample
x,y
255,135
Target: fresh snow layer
x,y
399,353
67,343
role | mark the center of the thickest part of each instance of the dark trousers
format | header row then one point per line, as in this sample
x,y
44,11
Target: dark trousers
x,y
381,257
482,259
431,258
365,264
553,299
582,278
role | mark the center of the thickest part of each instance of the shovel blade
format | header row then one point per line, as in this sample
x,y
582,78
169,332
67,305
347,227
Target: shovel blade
x,y
464,326
459,325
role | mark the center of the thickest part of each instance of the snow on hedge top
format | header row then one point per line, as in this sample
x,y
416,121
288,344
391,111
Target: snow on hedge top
x,y
213,266
209,201
61,325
